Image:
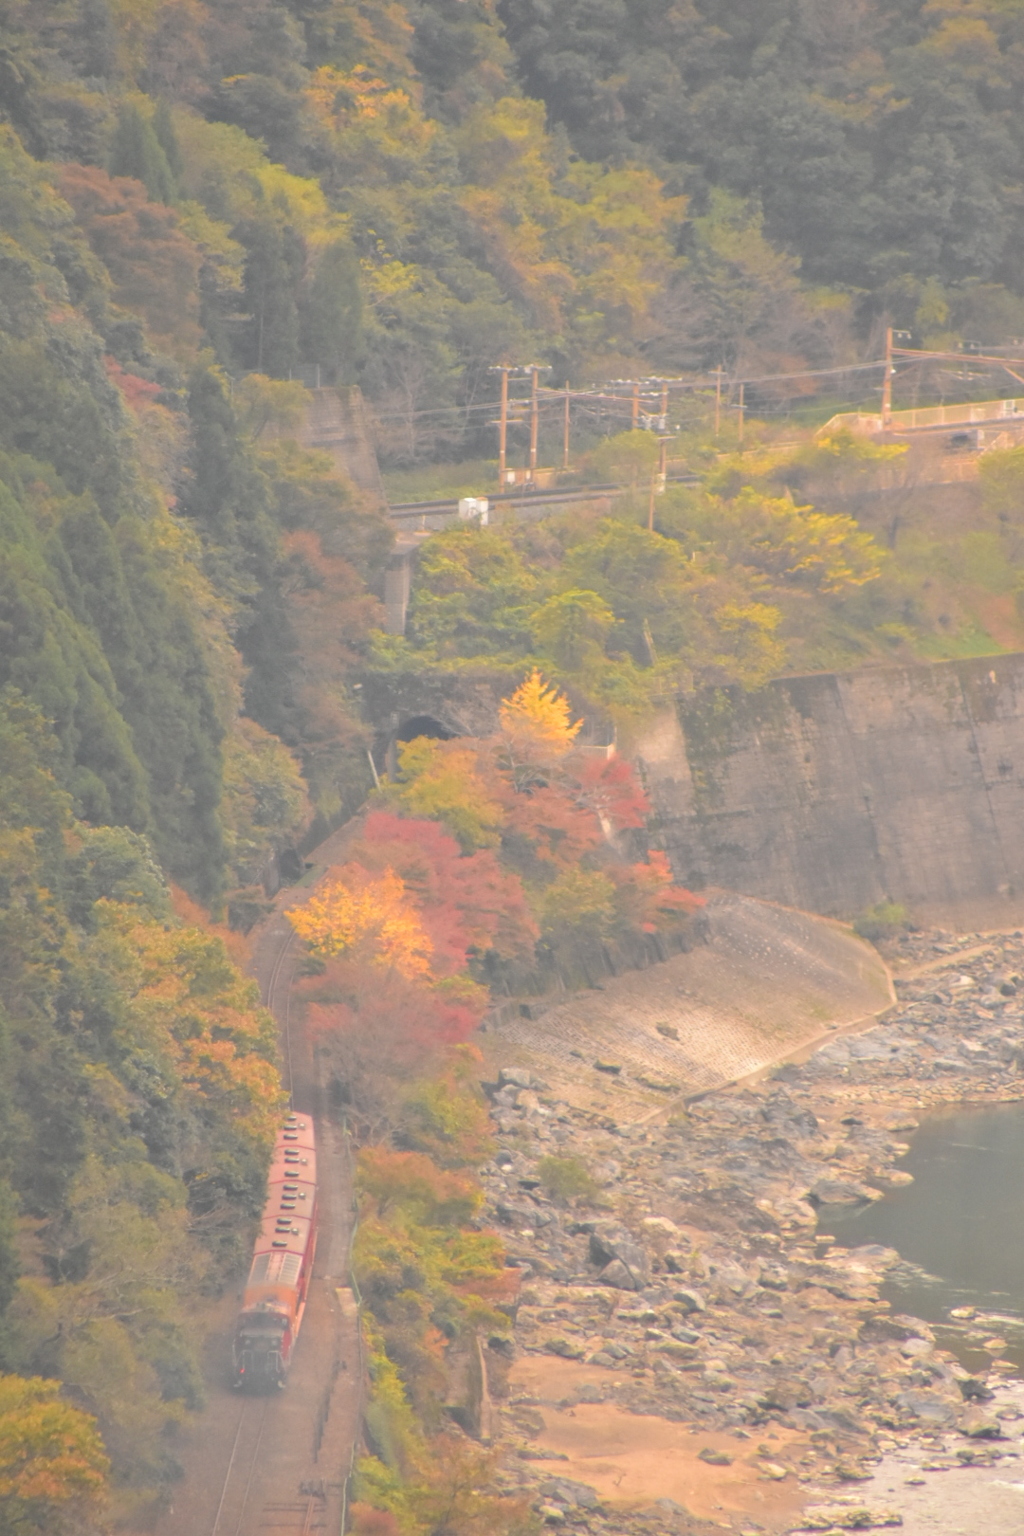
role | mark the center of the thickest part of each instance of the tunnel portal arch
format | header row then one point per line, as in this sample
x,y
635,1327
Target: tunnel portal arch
x,y
423,725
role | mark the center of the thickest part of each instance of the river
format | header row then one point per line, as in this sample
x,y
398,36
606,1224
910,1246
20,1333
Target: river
x,y
960,1227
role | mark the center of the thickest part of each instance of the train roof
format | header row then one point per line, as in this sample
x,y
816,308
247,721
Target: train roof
x,y
291,1191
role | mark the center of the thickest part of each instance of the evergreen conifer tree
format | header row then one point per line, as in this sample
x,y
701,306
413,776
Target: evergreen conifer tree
x,y
167,138
136,151
331,327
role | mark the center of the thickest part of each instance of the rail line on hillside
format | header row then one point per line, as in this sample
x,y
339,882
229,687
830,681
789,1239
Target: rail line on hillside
x,y
530,500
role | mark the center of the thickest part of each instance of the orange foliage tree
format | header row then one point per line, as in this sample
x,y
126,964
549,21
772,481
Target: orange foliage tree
x,y
153,265
470,904
198,1019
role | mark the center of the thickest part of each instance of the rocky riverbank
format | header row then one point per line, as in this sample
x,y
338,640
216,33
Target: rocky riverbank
x,y
695,1286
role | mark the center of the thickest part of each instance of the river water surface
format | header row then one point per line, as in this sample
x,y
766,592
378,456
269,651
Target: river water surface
x,y
959,1226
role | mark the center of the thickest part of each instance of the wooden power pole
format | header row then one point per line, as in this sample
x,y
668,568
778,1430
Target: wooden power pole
x,y
533,419
887,380
565,431
503,427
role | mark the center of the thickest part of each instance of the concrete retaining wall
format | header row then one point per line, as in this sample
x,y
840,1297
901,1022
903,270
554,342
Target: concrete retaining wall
x,y
837,791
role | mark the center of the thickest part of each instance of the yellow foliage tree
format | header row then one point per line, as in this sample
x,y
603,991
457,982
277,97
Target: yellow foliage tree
x,y
51,1456
538,715
442,780
822,550
368,916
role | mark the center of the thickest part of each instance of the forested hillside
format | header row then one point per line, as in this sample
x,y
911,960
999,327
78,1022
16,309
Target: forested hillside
x,y
205,207
881,140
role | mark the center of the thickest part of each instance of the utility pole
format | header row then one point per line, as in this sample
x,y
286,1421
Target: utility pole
x,y
503,427
659,481
887,380
565,431
534,371
636,406
718,399
664,405
742,390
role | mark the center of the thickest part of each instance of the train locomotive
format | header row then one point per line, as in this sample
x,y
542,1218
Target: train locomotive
x,y
275,1293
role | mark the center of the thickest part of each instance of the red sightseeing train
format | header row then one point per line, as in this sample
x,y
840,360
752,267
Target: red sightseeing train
x,y
275,1292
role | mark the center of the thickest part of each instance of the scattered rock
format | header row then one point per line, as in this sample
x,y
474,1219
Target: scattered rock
x,y
840,1517
713,1222
620,1276
879,1330
979,1424
929,1407
692,1300
851,1472
715,1458
516,1077
577,1495
564,1348
841,1192
611,1067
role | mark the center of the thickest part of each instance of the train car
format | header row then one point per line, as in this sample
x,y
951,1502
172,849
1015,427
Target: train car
x,y
275,1293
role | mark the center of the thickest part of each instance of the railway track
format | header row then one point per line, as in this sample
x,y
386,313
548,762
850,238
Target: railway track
x,y
230,1519
279,1001
529,500
238,1513
277,1465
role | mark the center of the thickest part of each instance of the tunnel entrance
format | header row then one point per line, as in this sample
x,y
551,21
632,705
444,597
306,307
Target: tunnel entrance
x,y
423,725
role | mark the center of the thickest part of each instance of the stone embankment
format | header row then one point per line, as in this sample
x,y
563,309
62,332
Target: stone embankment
x,y
691,1351
760,982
